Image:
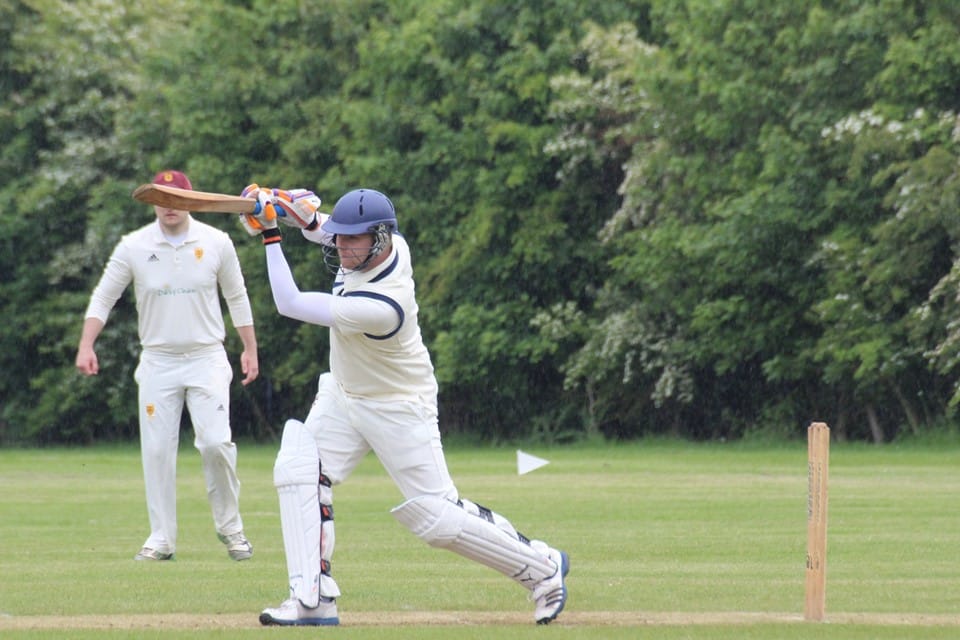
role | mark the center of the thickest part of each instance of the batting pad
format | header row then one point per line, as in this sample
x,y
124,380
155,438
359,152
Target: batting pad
x,y
479,511
444,524
296,474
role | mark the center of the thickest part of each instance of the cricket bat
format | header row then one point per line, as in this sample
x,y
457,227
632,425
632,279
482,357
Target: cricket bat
x,y
197,201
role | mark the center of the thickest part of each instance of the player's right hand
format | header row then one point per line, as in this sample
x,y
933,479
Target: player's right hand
x,y
87,362
266,217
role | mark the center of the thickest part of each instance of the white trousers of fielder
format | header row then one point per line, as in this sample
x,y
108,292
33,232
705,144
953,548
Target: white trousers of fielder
x,y
201,382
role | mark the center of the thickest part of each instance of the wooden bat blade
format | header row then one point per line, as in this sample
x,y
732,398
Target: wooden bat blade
x,y
188,200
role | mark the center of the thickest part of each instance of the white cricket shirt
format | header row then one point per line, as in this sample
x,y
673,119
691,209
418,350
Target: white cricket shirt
x,y
176,288
367,360
376,350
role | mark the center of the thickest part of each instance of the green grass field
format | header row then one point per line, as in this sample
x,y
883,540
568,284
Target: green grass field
x,y
667,540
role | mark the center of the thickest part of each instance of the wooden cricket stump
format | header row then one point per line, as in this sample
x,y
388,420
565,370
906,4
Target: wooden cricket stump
x,y
818,467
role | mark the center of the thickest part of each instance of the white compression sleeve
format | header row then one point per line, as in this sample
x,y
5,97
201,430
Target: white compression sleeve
x,y
307,306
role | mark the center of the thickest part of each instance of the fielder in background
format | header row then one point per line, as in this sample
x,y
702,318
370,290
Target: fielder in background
x,y
380,394
176,265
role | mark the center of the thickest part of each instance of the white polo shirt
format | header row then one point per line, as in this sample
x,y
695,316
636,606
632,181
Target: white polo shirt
x,y
368,356
376,350
176,287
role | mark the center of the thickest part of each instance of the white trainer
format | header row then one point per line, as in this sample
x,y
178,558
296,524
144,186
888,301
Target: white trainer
x,y
550,594
292,613
238,546
147,553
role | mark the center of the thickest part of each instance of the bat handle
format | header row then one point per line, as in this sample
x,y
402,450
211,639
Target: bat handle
x,y
257,209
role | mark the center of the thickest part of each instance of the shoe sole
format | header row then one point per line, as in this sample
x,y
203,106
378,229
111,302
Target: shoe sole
x,y
267,620
163,558
564,570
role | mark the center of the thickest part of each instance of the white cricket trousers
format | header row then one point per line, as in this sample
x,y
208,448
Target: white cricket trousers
x,y
404,435
201,379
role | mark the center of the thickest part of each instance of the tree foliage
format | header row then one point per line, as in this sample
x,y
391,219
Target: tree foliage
x,y
708,219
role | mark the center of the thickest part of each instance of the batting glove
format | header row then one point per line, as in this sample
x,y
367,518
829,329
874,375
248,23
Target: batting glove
x,y
297,208
264,222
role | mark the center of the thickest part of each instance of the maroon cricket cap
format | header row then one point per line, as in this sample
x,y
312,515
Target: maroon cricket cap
x,y
172,178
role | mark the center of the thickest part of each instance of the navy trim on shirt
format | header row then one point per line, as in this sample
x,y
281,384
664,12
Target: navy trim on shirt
x,y
393,265
393,303
383,274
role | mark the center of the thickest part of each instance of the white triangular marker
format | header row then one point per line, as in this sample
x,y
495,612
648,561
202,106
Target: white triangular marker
x,y
527,463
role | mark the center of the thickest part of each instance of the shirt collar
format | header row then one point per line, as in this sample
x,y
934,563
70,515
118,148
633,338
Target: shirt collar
x,y
156,233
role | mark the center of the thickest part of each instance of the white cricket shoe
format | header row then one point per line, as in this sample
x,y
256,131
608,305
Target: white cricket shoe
x,y
147,553
238,546
292,613
550,594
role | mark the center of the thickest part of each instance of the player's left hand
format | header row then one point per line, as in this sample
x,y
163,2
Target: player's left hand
x,y
250,366
297,208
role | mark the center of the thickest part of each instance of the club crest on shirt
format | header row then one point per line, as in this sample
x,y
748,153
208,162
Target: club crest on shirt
x,y
198,253
151,410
